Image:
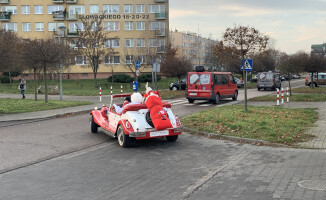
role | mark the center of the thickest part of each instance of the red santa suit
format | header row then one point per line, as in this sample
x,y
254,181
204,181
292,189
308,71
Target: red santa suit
x,y
158,114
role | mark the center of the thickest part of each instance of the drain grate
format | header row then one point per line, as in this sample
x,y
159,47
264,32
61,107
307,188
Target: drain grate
x,y
313,184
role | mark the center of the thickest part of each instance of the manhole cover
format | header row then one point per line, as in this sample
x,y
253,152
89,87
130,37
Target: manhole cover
x,y
313,184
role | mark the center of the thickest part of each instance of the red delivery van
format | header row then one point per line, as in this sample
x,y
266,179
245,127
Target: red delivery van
x,y
211,86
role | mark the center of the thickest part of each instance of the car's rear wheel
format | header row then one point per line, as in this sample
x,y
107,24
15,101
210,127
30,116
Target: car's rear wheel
x,y
217,99
149,119
235,96
94,126
172,138
191,100
174,88
123,139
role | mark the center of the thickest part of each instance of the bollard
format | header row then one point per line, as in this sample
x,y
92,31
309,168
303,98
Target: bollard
x,y
111,91
282,95
278,97
287,95
100,94
121,89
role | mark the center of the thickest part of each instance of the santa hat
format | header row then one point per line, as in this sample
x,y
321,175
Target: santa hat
x,y
136,97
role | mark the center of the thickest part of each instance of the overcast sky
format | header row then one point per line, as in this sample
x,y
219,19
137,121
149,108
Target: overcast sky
x,y
292,24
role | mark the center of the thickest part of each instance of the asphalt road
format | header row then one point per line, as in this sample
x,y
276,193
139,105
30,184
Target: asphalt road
x,y
61,159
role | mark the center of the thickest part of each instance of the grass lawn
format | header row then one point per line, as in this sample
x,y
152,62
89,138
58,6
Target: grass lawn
x,y
319,90
9,106
295,97
272,124
85,87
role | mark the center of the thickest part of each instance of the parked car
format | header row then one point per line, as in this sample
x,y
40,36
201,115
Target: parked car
x,y
240,83
269,80
175,85
295,76
254,79
211,86
316,82
134,122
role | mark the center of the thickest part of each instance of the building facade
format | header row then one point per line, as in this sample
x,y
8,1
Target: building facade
x,y
134,23
319,49
193,47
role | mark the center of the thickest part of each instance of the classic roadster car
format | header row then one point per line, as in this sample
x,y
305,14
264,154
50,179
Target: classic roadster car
x,y
134,122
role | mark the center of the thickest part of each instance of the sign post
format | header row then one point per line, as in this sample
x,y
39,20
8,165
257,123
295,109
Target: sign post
x,y
246,64
155,69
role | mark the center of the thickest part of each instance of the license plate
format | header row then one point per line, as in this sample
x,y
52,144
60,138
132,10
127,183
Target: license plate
x,y
192,93
159,133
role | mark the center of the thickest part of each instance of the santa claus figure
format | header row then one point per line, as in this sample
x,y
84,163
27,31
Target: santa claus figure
x,y
157,113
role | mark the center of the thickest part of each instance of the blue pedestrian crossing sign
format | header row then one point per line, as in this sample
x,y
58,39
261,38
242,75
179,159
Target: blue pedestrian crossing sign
x,y
247,63
137,64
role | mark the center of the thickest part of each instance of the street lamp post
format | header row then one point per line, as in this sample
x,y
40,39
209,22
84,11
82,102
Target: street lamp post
x,y
62,28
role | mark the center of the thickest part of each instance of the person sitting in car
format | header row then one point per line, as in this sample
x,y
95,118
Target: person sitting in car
x,y
136,98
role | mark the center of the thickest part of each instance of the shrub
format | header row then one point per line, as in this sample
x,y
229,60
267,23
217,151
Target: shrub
x,y
147,78
120,78
4,79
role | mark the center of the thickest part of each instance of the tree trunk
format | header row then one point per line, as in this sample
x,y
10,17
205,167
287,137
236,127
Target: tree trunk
x,y
45,84
35,85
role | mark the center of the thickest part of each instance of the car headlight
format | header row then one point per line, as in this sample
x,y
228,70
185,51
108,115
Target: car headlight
x,y
171,84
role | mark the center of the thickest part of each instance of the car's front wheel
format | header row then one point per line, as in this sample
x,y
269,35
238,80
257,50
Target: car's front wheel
x,y
123,139
217,99
94,126
174,88
235,97
172,138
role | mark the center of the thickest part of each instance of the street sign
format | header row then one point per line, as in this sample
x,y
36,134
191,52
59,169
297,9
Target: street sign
x,y
137,64
137,72
156,67
247,63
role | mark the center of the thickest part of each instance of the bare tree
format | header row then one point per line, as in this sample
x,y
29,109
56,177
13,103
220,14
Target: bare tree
x,y
265,61
210,57
225,55
173,66
92,43
9,45
244,41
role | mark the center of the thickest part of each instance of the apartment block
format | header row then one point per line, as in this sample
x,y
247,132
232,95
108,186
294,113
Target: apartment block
x,y
134,23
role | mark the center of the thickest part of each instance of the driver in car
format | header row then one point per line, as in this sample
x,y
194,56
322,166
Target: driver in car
x,y
136,98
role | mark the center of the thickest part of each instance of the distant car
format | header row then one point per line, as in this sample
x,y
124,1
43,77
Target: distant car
x,y
282,77
240,83
269,80
296,76
320,80
175,85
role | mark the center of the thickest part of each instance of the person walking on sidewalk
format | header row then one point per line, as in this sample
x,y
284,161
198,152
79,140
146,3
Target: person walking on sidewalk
x,y
22,87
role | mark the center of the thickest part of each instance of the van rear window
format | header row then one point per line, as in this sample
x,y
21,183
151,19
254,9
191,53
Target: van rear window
x,y
202,79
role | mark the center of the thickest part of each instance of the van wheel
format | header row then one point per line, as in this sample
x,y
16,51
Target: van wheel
x,y
235,96
172,138
191,100
315,84
123,139
94,126
217,99
258,89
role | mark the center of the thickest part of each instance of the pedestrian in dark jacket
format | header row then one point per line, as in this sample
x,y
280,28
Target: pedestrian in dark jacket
x,y
22,87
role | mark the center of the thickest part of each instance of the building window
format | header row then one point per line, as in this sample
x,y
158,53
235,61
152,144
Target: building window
x,y
153,42
94,9
129,26
26,26
77,9
141,59
111,26
129,42
140,8
53,8
74,26
140,26
112,43
54,26
39,26
128,8
25,10
156,8
12,9
112,59
141,42
80,60
110,8
129,59
9,26
38,10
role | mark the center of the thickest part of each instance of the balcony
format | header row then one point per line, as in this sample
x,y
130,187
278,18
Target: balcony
x,y
161,15
160,32
72,34
71,1
4,1
72,16
57,1
58,15
160,1
160,49
5,16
